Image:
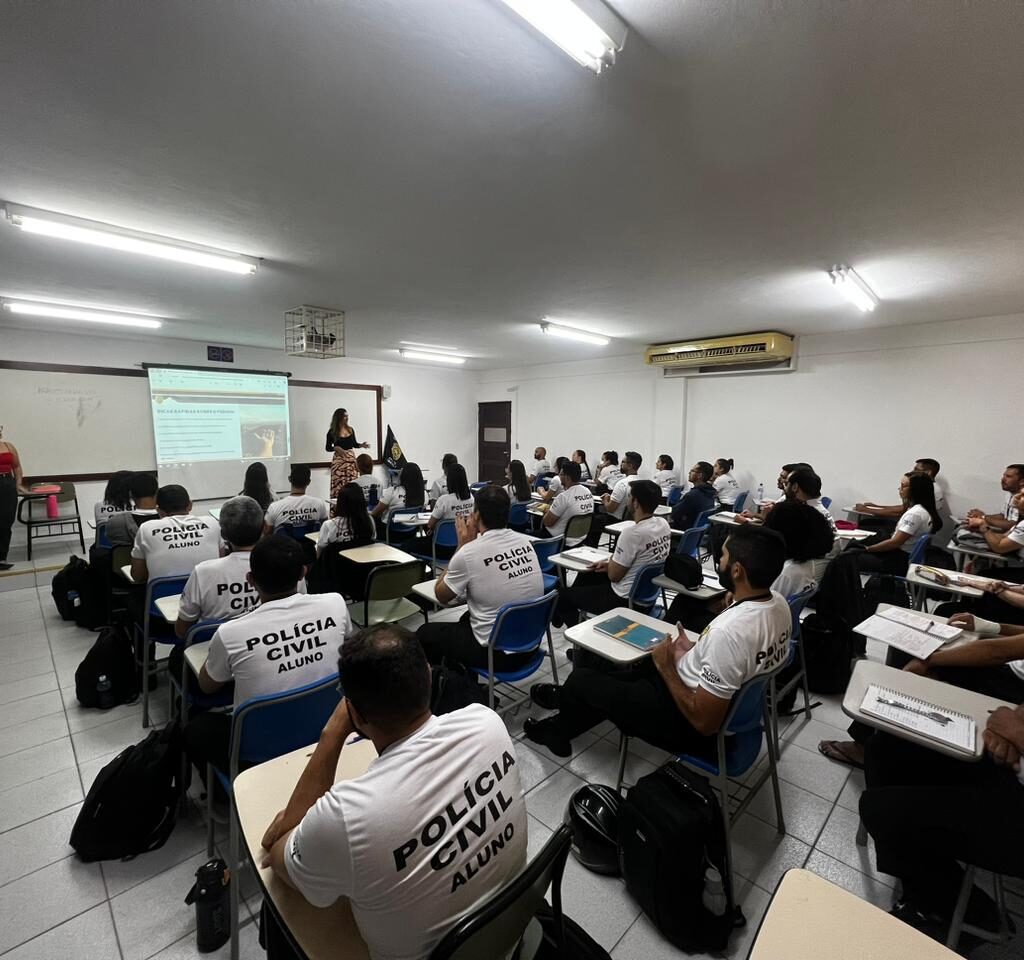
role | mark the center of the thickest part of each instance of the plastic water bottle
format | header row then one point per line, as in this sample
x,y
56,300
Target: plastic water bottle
x,y
760,494
714,892
104,692
74,599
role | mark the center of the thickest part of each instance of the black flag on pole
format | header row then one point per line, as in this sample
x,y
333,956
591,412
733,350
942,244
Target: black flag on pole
x,y
393,456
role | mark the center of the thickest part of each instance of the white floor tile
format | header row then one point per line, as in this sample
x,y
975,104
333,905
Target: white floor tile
x,y
36,844
761,855
548,800
853,788
185,949
804,813
36,762
599,904
838,840
31,733
24,647
34,904
807,733
812,771
538,836
187,840
23,689
89,936
599,763
153,915
28,610
89,769
31,708
108,737
26,669
533,768
867,888
37,798
830,710
84,718
13,597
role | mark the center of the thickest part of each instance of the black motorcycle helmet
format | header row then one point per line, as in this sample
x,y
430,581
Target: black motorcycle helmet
x,y
593,816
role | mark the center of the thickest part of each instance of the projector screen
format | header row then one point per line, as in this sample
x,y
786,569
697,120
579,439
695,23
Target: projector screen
x,y
208,425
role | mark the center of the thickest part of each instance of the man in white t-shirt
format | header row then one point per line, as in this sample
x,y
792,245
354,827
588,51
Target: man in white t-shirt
x,y
173,543
297,509
491,566
606,585
541,464
440,486
678,698
573,500
437,823
1011,482
289,640
1008,543
366,481
615,502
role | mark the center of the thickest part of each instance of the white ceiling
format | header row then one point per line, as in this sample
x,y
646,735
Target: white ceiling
x,y
441,172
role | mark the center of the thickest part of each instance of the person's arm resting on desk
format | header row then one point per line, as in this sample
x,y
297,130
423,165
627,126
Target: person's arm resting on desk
x,y
217,670
705,711
1001,643
188,607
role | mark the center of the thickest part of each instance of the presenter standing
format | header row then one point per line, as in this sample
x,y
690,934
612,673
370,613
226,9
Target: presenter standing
x,y
341,438
11,484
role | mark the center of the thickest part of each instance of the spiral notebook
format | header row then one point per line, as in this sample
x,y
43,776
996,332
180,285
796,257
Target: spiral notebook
x,y
912,714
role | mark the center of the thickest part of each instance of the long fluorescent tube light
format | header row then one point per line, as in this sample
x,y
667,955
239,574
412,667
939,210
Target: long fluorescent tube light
x,y
425,346
432,357
851,286
61,312
571,333
47,224
585,29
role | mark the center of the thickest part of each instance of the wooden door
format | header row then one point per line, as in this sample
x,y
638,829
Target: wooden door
x,y
494,439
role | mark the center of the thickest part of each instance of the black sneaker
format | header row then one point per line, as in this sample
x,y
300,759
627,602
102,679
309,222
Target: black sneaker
x,y
545,695
547,734
5,565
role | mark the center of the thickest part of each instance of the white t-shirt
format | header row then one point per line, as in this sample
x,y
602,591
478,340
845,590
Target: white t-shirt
x,y
438,488
1016,534
511,491
917,522
280,645
370,486
172,546
574,501
648,541
555,485
726,489
435,825
104,511
296,511
823,510
620,494
498,567
540,467
584,472
748,638
609,475
217,589
450,507
666,479
393,498
337,530
1009,510
795,578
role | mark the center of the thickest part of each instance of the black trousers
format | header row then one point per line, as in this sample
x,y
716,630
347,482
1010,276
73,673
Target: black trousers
x,y
455,642
692,613
636,701
1009,574
589,592
8,511
927,811
890,561
597,525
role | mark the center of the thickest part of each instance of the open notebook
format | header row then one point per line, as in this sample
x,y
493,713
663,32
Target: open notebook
x,y
587,555
894,628
921,717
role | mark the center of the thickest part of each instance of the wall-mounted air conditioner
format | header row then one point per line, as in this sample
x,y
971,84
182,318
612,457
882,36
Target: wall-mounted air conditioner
x,y
767,352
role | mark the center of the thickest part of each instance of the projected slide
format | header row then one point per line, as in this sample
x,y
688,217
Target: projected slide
x,y
203,416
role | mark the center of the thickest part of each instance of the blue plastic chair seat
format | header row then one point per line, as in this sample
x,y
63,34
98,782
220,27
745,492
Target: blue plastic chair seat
x,y
550,581
511,676
741,753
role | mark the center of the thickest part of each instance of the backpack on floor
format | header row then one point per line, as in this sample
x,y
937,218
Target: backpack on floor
x,y
670,832
828,652
576,944
453,687
133,802
78,592
108,676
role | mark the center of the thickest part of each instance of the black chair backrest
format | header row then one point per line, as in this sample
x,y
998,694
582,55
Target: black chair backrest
x,y
494,928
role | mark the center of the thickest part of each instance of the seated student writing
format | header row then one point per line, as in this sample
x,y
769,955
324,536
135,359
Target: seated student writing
x,y
366,481
122,527
289,640
117,497
440,486
677,698
919,519
220,589
726,487
541,465
699,498
606,585
374,839
518,486
928,814
257,485
297,509
1011,482
492,566
408,493
573,500
578,456
350,527
666,475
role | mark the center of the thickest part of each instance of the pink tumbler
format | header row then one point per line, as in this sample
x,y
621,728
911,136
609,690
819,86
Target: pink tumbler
x,y
52,512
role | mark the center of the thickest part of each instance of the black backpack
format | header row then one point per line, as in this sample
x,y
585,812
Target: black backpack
x,y
133,802
684,569
78,592
111,656
828,652
886,588
670,831
453,687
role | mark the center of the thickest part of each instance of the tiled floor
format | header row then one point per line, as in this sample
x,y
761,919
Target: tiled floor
x,y
51,905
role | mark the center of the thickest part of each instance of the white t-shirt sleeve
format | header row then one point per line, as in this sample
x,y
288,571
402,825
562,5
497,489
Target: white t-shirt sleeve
x,y
722,670
626,548
914,522
457,575
190,606
620,492
138,551
273,512
440,512
1017,534
317,855
218,666
560,504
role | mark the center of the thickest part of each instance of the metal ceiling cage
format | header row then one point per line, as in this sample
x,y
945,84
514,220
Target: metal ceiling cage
x,y
314,332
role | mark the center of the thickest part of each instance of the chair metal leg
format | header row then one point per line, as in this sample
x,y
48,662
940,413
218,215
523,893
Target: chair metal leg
x,y
721,784
209,810
145,679
862,834
490,674
773,766
623,753
803,680
551,653
957,922
236,870
1000,897
772,717
81,535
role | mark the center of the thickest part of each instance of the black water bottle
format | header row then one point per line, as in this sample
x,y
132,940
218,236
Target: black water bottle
x,y
210,895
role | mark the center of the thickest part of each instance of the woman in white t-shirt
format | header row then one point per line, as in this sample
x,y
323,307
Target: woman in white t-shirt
x,y
410,492
666,475
921,518
724,482
608,471
350,527
578,456
518,486
456,504
117,497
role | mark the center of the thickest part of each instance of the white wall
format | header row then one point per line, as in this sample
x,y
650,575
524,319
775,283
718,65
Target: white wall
x,y
431,411
860,407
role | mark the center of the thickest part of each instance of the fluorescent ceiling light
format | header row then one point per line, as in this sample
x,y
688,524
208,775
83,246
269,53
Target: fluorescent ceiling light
x,y
851,286
47,224
585,29
572,333
61,312
426,346
432,357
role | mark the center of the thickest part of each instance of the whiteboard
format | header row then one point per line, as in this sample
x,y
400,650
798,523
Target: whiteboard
x,y
75,423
